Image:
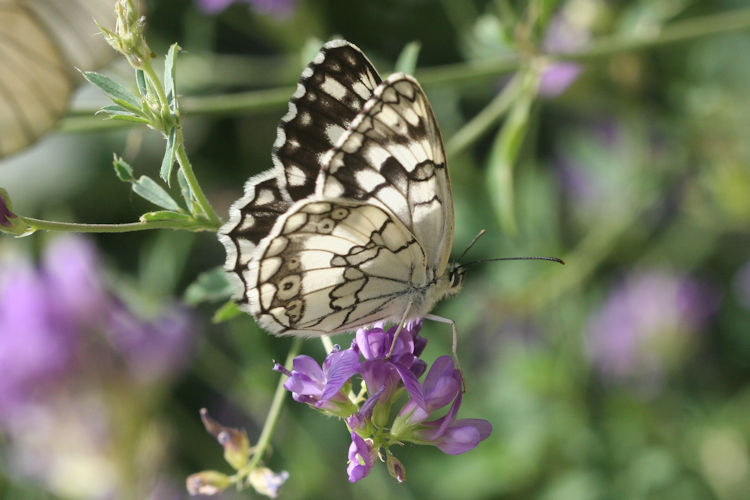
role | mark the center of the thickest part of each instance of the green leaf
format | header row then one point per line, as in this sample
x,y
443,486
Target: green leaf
x,y
166,163
140,78
226,312
210,286
170,85
407,59
123,170
117,112
187,193
503,156
145,187
117,92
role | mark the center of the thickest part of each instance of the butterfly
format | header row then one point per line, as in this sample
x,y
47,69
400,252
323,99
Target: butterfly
x,y
41,44
354,223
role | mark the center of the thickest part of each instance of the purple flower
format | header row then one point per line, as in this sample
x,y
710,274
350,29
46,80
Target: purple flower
x,y
389,370
647,324
441,387
361,458
383,374
276,8
322,387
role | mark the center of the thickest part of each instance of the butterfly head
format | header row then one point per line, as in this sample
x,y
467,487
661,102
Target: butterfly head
x,y
454,278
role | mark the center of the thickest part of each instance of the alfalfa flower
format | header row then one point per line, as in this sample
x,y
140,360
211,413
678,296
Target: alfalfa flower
x,y
389,368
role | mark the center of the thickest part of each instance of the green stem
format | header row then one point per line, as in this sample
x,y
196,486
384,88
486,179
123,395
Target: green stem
x,y
678,31
47,225
274,412
469,71
195,187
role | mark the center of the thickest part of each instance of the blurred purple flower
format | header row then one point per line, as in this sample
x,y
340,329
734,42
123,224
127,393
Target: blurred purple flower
x,y
276,8
52,318
646,325
152,350
562,36
35,343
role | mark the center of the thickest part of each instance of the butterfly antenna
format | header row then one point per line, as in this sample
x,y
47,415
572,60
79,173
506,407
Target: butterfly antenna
x,y
551,259
479,235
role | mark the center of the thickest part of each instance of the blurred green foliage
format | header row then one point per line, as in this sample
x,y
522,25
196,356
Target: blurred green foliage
x,y
641,167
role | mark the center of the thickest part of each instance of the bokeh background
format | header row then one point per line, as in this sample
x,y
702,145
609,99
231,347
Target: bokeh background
x,y
624,374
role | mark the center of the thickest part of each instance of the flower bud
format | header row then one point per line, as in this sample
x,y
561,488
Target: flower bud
x,y
10,222
207,482
395,467
234,441
267,482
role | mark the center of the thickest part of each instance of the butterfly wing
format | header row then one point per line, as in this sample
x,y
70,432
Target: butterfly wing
x,y
41,44
330,266
393,157
331,91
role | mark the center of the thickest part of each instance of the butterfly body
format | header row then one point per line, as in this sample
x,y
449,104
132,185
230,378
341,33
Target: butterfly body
x,y
354,224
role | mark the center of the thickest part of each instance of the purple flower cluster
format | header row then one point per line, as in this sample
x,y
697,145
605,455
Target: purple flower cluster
x,y
384,379
57,321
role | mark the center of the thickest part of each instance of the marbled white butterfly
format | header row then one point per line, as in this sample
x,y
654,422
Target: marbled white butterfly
x,y
354,222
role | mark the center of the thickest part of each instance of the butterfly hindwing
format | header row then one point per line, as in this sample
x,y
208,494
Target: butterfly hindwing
x,y
251,218
330,266
330,93
392,156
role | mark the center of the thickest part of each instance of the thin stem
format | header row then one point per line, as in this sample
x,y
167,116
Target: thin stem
x,y
489,116
274,412
678,31
454,74
195,187
47,225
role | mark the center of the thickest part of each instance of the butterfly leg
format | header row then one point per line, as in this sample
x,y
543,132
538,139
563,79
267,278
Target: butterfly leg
x,y
400,327
441,319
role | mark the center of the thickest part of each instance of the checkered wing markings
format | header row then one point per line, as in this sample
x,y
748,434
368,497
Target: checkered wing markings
x,y
251,218
393,157
330,93
331,266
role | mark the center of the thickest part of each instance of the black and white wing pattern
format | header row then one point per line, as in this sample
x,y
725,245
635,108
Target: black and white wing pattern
x,y
372,242
330,93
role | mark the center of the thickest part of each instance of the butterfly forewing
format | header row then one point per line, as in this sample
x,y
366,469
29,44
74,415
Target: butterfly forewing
x,y
331,92
393,157
330,266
